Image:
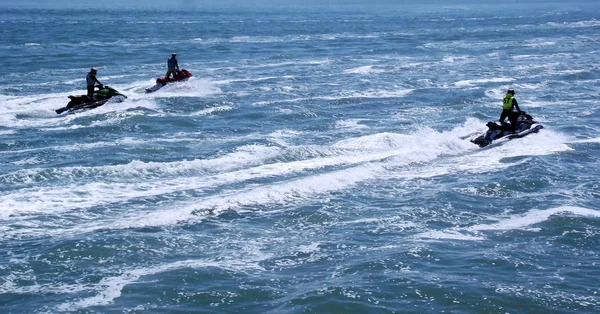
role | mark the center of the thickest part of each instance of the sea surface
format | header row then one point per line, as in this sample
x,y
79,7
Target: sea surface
x,y
318,161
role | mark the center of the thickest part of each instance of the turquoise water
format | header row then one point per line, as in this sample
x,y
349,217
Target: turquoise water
x,y
317,162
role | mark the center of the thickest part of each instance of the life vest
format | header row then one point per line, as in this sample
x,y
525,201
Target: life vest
x,y
507,103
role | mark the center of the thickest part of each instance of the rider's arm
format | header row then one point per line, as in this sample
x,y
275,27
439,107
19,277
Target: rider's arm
x,y
516,105
96,79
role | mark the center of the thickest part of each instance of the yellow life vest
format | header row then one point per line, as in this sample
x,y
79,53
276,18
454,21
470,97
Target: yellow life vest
x,y
507,103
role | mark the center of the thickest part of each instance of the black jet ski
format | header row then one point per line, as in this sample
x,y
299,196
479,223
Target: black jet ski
x,y
502,130
180,76
84,102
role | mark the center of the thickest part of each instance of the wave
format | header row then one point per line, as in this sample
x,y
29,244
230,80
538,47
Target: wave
x,y
367,69
532,221
150,42
110,287
352,94
34,111
189,190
465,83
578,24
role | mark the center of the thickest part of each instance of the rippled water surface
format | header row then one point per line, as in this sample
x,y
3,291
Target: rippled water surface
x,y
318,161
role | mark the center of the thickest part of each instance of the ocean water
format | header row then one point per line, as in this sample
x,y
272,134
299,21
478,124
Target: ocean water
x,y
318,161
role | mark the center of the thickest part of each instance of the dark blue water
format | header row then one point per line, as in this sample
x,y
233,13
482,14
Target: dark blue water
x,y
318,161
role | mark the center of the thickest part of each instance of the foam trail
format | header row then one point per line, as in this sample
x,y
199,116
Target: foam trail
x,y
389,152
370,93
245,156
466,83
405,149
526,221
94,193
367,69
239,200
33,107
281,193
534,217
194,87
295,190
110,288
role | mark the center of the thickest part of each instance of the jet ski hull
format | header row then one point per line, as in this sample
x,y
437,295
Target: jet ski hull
x,y
181,76
504,131
84,102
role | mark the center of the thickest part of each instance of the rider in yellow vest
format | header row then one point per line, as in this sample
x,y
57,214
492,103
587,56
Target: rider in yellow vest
x,y
508,104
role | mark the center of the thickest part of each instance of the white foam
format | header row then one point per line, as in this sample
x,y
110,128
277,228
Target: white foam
x,y
243,156
86,195
34,111
534,217
110,288
588,140
246,80
284,192
449,235
193,87
212,110
465,83
352,160
8,286
281,137
354,124
525,87
571,72
28,161
453,59
369,93
7,132
94,194
578,24
525,221
66,197
462,156
536,43
310,248
367,69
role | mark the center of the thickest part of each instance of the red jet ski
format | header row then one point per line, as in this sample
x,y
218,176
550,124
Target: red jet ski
x,y
180,76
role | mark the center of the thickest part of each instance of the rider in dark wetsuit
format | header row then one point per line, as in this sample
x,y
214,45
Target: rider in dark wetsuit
x,y
508,104
91,81
172,65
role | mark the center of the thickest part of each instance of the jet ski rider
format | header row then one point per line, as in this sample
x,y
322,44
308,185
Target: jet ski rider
x,y
173,66
91,81
508,104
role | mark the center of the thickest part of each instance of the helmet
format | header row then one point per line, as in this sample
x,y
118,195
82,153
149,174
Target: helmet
x,y
511,91
93,70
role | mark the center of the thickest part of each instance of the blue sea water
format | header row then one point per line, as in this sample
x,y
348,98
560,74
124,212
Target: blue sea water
x,y
317,162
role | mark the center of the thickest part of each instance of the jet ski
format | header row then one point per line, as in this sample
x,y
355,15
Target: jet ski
x,y
496,131
180,76
84,102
